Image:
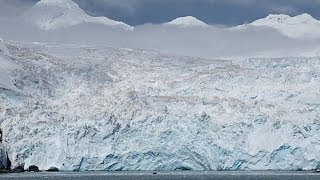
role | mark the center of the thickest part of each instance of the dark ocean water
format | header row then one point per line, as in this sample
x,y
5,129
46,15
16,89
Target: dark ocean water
x,y
150,175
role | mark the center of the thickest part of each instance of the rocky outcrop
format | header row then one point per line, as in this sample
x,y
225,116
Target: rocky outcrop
x,y
4,164
3,157
18,169
33,168
53,169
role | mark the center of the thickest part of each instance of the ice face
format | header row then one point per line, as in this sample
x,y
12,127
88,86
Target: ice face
x,y
96,108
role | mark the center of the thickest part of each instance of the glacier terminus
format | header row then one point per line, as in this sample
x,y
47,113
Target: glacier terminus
x,y
98,108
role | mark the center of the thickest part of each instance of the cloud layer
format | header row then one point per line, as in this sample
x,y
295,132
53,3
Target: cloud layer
x,y
227,12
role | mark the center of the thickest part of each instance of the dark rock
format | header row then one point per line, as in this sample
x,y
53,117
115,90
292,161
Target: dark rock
x,y
299,169
182,169
4,171
3,157
53,169
8,163
18,169
33,168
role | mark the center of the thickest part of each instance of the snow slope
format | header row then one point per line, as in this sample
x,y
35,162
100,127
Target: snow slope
x,y
98,108
301,26
55,14
6,68
187,21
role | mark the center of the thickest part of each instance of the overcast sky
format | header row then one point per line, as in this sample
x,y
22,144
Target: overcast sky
x,y
224,12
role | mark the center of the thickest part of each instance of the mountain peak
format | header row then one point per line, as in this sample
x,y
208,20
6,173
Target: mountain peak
x,y
303,25
305,16
284,19
55,14
187,21
58,3
276,17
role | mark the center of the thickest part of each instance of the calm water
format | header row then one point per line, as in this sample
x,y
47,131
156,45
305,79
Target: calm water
x,y
185,175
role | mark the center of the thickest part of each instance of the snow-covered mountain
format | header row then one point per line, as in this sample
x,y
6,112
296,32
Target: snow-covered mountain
x,y
187,21
301,26
55,14
97,108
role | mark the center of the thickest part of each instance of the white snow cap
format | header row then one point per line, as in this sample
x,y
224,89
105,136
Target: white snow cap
x,y
55,14
303,25
285,19
187,21
62,3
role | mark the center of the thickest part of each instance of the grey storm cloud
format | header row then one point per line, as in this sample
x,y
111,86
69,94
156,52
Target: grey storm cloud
x,y
226,12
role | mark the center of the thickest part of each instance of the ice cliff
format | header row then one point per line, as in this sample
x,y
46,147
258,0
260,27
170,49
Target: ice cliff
x,y
97,108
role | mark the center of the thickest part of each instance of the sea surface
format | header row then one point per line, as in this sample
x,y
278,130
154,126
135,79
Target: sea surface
x,y
154,175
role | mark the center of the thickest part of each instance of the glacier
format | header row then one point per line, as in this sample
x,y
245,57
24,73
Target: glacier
x,y
99,108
